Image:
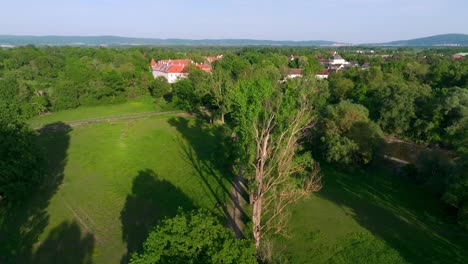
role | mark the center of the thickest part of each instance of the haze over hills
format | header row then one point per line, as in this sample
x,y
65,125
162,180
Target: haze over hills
x,y
438,40
125,41
12,40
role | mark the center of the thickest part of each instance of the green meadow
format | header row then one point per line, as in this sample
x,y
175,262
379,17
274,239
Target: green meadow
x,y
371,216
109,183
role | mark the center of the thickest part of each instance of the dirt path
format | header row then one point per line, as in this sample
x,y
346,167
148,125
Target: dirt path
x,y
75,123
235,208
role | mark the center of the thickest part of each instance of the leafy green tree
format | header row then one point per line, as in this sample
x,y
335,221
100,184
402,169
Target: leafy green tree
x,y
195,237
269,121
340,87
348,134
220,86
398,102
184,95
159,87
455,122
21,165
234,64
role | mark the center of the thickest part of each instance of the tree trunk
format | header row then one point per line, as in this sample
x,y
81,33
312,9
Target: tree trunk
x,y
222,118
256,219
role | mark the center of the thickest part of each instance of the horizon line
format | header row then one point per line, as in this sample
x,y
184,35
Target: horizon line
x,y
201,39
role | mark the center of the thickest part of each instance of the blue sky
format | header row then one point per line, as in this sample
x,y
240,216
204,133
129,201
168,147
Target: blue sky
x,y
354,21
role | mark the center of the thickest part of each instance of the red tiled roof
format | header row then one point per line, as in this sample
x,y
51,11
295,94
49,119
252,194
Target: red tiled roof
x,y
177,69
176,62
172,66
179,66
205,67
295,71
214,58
325,72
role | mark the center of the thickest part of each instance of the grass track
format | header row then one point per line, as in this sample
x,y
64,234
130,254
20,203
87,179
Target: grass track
x,y
136,106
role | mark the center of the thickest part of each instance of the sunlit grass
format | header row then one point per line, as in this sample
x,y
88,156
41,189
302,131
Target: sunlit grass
x,y
371,216
135,106
104,159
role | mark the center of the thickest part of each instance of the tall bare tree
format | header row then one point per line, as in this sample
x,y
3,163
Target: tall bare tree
x,y
270,120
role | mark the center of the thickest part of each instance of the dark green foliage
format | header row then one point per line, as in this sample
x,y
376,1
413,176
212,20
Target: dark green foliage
x,y
21,164
398,102
159,87
56,78
365,248
184,95
456,191
348,135
340,88
434,170
195,237
455,118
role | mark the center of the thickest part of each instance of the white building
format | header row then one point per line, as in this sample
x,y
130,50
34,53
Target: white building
x,y
172,70
323,75
294,73
337,60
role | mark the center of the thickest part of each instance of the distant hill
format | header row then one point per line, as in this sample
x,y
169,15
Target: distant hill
x,y
124,41
438,40
10,40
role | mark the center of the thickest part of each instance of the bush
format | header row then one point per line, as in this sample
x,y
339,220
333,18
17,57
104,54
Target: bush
x,y
195,237
348,135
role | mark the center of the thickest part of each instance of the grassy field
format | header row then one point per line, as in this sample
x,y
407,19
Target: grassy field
x,y
371,216
142,105
109,183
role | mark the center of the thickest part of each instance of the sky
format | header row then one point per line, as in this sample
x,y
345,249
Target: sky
x,y
350,21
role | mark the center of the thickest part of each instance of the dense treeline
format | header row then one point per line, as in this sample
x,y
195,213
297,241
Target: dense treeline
x,y
423,99
52,78
56,78
419,97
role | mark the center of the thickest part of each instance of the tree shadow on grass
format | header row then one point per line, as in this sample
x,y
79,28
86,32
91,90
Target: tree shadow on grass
x,y
397,212
205,149
151,201
21,223
65,244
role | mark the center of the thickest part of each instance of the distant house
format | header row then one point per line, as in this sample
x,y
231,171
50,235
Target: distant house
x,y
174,70
365,66
323,75
337,60
204,66
294,73
333,64
293,57
460,55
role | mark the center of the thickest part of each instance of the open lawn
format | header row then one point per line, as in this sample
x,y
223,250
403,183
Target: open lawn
x,y
371,216
109,183
141,105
